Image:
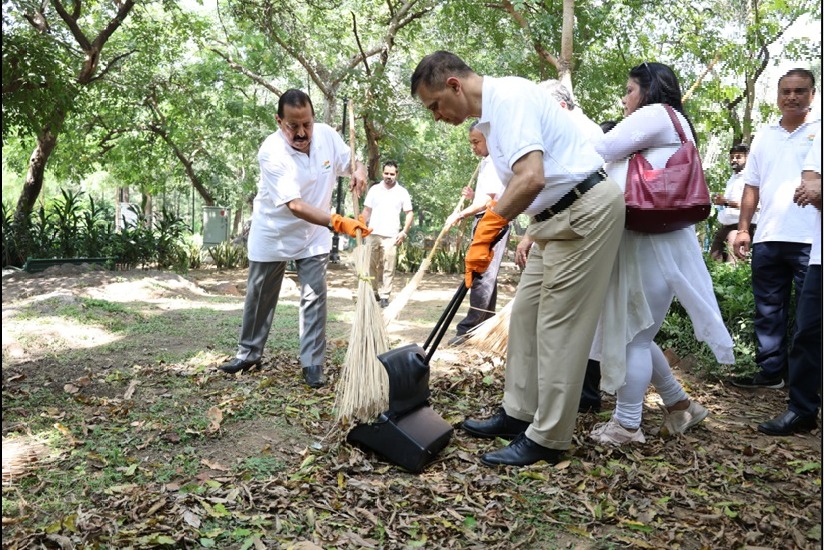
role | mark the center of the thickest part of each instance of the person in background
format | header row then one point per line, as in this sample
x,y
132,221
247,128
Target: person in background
x,y
551,172
650,270
291,222
782,243
721,249
484,292
805,358
384,203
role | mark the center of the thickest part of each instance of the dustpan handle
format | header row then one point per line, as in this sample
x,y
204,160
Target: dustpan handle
x,y
446,318
444,322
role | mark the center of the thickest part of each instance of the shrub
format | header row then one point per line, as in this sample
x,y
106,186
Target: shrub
x,y
65,227
227,255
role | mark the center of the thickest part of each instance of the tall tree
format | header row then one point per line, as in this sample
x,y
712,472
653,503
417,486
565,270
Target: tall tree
x,y
74,41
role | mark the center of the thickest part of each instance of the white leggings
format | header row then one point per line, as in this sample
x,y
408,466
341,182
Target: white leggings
x,y
645,361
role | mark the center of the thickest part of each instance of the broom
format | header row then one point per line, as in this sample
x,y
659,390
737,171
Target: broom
x,y
363,391
491,335
400,301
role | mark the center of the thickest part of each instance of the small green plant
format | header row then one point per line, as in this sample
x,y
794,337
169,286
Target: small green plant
x,y
227,256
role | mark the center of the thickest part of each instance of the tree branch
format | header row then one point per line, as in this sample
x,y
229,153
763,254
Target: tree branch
x,y
248,73
71,22
358,41
110,65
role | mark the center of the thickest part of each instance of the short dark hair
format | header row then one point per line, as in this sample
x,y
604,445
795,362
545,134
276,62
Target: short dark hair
x,y
739,148
294,98
473,125
804,73
434,69
390,163
608,125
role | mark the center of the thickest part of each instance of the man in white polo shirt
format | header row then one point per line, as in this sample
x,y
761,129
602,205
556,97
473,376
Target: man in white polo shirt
x,y
805,358
291,221
552,172
782,242
484,292
384,202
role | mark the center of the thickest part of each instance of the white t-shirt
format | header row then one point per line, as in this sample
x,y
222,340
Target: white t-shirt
x,y
733,192
386,206
593,130
488,183
774,165
286,174
814,162
519,117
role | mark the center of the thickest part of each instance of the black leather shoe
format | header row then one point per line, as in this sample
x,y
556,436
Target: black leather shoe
x,y
458,339
788,423
499,425
239,365
384,302
314,376
522,452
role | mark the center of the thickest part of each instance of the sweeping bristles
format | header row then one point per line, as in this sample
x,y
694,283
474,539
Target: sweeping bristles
x,y
490,337
363,390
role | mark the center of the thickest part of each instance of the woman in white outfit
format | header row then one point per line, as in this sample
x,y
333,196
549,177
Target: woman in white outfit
x,y
650,270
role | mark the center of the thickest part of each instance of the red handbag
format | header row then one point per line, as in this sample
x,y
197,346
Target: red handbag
x,y
670,198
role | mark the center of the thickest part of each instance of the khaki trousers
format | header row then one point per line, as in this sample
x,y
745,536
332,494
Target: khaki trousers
x,y
555,312
382,264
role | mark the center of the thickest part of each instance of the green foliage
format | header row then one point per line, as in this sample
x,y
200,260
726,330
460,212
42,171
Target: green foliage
x,y
66,227
449,258
228,256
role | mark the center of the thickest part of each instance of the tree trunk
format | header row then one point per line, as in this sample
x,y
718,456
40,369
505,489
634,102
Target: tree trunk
x,y
147,204
33,185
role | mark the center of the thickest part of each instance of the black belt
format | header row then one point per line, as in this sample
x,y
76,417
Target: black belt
x,y
571,196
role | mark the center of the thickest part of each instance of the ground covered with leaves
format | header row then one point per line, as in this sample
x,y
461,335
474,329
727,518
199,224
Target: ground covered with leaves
x,y
119,432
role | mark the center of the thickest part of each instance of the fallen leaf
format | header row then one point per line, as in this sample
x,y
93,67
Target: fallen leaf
x,y
130,390
215,417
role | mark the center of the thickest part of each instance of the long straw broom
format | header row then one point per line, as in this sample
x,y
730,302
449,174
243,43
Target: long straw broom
x,y
400,301
363,390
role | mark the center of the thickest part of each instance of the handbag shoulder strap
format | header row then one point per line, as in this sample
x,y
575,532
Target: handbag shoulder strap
x,y
676,123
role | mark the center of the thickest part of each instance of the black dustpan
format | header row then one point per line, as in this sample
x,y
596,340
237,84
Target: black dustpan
x,y
410,433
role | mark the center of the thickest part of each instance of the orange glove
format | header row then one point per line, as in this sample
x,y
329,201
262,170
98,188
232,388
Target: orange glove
x,y
480,253
340,224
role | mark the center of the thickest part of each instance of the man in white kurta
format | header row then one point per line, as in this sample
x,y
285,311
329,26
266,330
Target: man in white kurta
x,y
291,221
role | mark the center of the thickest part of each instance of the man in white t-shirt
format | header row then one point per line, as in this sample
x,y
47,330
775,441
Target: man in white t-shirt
x,y
385,202
291,222
484,292
551,172
721,249
805,357
782,242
